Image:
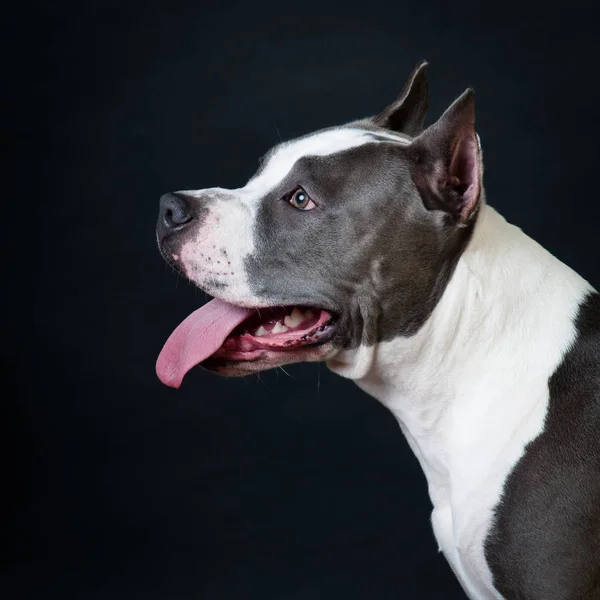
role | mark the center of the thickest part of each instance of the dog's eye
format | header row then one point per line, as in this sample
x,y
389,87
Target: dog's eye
x,y
301,200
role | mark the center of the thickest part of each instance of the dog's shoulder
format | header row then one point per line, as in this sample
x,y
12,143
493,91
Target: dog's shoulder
x,y
545,542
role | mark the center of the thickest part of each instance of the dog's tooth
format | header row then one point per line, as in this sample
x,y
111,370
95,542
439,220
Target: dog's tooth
x,y
298,315
295,318
279,328
260,331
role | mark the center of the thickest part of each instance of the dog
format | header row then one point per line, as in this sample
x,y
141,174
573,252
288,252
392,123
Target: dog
x,y
371,247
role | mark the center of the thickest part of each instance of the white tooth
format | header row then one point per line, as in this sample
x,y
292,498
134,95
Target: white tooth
x,y
279,328
298,315
260,331
295,318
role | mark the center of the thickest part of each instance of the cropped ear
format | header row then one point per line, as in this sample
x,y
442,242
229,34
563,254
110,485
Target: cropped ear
x,y
447,161
407,113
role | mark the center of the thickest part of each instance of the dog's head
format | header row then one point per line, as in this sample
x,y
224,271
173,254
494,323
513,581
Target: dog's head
x,y
343,238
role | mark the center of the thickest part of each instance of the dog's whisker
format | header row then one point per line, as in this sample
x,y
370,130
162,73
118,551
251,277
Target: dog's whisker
x,y
318,379
290,376
278,132
258,375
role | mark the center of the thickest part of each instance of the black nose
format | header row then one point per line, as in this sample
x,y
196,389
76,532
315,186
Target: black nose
x,y
174,213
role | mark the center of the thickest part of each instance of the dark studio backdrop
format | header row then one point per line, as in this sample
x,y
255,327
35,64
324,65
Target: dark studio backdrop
x,y
283,488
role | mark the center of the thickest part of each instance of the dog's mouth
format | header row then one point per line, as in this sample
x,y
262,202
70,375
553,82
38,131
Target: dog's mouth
x,y
220,335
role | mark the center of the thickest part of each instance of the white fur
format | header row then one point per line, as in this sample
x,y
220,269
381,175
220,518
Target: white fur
x,y
220,246
470,389
229,226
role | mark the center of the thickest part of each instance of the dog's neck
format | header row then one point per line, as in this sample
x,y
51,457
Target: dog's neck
x,y
469,352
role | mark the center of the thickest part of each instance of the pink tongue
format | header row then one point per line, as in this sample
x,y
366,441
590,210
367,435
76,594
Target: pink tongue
x,y
197,338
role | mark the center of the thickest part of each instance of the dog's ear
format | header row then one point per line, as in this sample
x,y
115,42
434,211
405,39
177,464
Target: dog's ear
x,y
446,157
407,113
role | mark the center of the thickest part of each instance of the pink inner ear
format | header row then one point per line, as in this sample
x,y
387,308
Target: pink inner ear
x,y
465,167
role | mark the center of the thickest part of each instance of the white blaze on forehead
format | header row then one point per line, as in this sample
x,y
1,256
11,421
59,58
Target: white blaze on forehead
x,y
281,162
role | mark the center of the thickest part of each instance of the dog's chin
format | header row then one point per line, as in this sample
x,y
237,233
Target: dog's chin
x,y
242,364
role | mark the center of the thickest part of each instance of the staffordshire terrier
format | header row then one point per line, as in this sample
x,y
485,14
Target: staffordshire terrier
x,y
370,246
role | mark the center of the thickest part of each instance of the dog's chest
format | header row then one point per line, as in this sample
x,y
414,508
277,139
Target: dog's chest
x,y
468,453
463,546
463,509
465,559
468,460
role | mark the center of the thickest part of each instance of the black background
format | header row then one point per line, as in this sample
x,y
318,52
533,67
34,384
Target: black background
x,y
286,488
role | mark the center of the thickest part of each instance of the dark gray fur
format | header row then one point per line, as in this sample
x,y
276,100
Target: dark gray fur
x,y
546,541
407,113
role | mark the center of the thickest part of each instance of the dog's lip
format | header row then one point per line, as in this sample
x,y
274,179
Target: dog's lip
x,y
241,345
260,359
